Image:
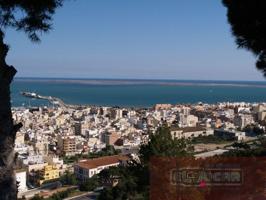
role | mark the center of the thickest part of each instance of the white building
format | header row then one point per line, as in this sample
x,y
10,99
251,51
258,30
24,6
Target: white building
x,y
187,120
21,179
243,120
185,110
262,115
259,108
190,132
33,159
87,168
192,120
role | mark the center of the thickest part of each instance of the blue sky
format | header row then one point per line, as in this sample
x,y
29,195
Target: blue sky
x,y
146,39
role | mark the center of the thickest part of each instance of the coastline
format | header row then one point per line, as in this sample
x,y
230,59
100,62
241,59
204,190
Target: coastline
x,y
135,93
60,103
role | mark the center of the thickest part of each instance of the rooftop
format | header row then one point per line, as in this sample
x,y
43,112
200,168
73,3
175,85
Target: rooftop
x,y
102,161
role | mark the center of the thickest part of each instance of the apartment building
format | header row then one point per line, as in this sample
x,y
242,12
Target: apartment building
x,y
110,138
67,145
48,173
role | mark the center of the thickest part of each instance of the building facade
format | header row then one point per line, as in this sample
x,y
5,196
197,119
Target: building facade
x,y
85,169
21,178
67,145
110,138
50,172
190,132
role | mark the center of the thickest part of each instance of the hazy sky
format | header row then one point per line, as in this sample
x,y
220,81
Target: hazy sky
x,y
154,39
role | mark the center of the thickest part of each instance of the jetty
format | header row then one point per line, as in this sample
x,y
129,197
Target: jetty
x,y
53,100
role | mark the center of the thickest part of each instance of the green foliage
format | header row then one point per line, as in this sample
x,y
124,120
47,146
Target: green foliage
x,y
106,176
109,150
71,159
28,16
240,145
90,184
246,153
162,144
244,150
247,19
68,179
106,194
133,183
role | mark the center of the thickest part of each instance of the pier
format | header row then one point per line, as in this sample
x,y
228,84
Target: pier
x,y
53,100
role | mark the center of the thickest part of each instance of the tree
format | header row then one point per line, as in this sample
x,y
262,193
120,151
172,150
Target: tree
x,y
134,178
90,184
240,145
37,197
106,176
129,185
257,149
32,17
163,144
68,179
248,24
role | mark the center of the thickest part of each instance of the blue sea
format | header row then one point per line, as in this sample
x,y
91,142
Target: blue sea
x,y
135,93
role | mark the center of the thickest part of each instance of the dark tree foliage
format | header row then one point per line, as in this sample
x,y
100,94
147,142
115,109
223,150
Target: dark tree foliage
x,y
132,184
68,179
32,17
241,145
257,149
248,23
162,144
90,184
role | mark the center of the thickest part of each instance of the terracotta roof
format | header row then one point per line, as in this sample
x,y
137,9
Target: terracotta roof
x,y
102,161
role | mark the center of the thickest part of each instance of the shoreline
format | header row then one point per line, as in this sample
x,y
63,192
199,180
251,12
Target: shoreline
x,y
136,93
60,103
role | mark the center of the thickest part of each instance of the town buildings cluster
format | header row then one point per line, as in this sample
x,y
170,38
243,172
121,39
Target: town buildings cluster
x,y
49,134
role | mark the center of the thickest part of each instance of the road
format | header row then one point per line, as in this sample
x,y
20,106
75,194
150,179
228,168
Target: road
x,y
47,188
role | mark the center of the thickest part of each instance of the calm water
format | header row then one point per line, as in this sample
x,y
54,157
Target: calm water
x,y
137,93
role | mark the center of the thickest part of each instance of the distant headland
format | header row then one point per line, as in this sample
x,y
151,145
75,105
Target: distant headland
x,y
95,81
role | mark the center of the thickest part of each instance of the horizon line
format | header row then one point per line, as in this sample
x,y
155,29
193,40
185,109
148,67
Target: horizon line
x,y
134,79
